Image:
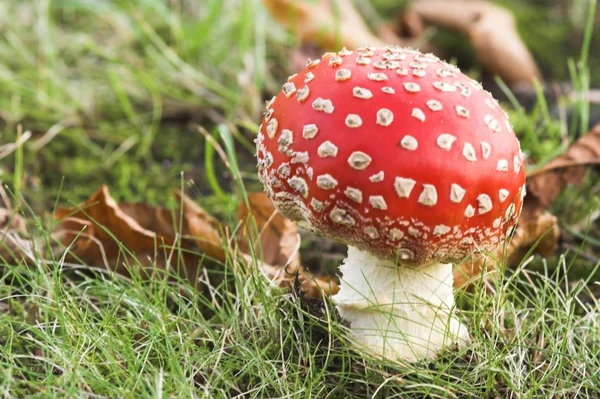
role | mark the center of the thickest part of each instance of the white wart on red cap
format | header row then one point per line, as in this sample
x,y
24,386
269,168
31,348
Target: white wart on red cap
x,y
394,152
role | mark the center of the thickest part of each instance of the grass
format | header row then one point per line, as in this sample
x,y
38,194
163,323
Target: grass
x,y
127,93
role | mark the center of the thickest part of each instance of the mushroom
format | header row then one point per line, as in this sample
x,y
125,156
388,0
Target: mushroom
x,y
411,164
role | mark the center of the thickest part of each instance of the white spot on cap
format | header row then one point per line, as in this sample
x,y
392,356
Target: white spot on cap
x,y
323,105
445,140
288,89
327,149
491,123
345,52
469,211
353,121
404,186
502,165
409,142
402,71
377,177
284,170
394,56
299,185
316,204
378,202
517,164
414,232
340,216
434,105
396,234
309,131
372,232
343,74
385,117
363,60
335,61
302,94
469,152
308,77
359,160
412,87
445,87
388,90
272,128
445,73
377,76
326,182
300,157
485,203
428,195
440,230
462,111
419,73
503,194
362,93
486,149
464,89
418,114
496,223
312,64
457,193
285,139
354,194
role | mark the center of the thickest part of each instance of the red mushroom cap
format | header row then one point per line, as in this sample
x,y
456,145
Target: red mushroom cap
x,y
395,152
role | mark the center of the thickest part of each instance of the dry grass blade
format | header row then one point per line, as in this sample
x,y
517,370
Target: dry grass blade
x,y
491,30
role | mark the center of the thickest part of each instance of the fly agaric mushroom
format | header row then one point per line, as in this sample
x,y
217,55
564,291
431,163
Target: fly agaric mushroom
x,y
411,164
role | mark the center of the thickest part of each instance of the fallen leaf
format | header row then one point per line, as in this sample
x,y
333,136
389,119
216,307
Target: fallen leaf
x,y
548,182
491,30
328,23
102,231
100,217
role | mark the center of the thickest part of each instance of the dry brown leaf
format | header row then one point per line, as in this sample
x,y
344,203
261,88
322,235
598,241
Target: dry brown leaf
x,y
491,30
279,241
100,217
96,232
325,22
547,183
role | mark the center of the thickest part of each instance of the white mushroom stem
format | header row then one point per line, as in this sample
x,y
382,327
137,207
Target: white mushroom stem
x,y
399,312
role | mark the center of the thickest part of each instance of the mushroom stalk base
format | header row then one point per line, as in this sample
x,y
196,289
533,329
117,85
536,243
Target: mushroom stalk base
x,y
399,312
